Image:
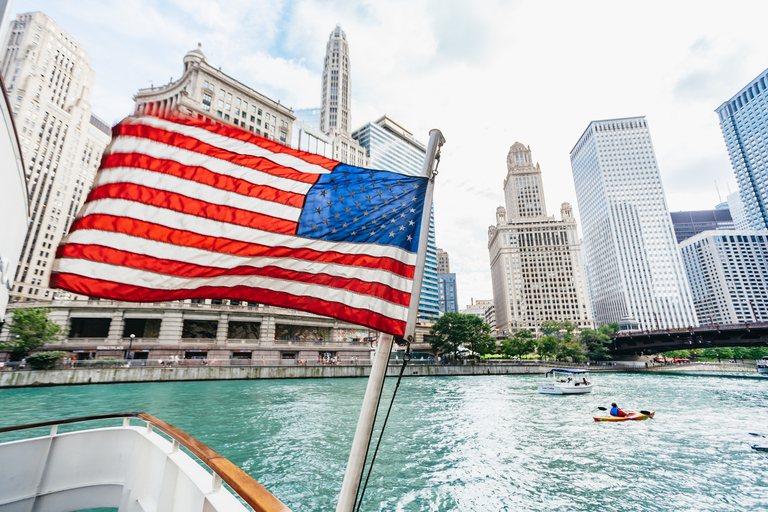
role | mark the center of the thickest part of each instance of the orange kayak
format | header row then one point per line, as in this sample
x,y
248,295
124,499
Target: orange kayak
x,y
629,416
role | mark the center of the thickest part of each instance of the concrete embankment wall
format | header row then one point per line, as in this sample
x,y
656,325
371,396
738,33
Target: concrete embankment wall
x,y
113,375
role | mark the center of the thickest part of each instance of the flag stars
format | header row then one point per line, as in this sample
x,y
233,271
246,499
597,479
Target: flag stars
x,y
392,234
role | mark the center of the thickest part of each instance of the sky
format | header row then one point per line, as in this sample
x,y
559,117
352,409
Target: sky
x,y
487,73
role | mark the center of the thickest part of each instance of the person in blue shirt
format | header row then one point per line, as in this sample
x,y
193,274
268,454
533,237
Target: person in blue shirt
x,y
615,411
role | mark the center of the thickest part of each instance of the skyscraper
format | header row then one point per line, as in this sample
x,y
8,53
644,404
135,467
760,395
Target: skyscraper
x,y
536,264
443,262
728,272
635,268
390,146
334,112
447,296
49,80
336,109
744,122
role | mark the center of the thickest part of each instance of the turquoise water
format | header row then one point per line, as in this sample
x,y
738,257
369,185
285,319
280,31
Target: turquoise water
x,y
465,443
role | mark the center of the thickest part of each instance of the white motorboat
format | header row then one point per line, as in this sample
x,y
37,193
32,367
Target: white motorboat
x,y
561,381
130,468
762,366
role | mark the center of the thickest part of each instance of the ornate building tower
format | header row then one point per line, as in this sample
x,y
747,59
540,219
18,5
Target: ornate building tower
x,y
334,112
536,265
523,188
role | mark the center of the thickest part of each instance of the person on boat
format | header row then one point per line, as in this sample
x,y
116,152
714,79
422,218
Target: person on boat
x,y
615,411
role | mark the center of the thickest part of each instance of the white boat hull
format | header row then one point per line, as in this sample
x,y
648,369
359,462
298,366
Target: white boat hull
x,y
564,389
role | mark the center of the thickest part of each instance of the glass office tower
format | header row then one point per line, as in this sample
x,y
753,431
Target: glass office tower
x,y
744,121
390,146
635,268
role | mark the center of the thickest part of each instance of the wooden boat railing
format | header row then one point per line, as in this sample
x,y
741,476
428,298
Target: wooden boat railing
x,y
253,493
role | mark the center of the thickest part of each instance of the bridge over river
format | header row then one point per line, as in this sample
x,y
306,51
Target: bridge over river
x,y
637,343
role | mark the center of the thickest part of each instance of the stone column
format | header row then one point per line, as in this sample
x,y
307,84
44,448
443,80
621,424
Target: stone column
x,y
170,328
267,330
116,327
222,329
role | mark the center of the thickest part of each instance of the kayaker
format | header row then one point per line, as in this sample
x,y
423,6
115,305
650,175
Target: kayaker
x,y
615,411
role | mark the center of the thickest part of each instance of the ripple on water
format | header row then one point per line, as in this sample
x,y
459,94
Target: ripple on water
x,y
465,443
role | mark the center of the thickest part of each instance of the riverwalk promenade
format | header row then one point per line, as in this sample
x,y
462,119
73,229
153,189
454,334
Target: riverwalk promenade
x,y
123,374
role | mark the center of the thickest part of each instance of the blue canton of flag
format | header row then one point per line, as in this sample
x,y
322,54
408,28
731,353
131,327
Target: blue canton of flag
x,y
352,204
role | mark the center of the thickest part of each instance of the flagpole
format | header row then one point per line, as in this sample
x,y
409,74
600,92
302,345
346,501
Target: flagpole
x,y
351,483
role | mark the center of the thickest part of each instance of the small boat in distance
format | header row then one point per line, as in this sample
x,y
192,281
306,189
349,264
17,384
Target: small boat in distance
x,y
562,381
762,366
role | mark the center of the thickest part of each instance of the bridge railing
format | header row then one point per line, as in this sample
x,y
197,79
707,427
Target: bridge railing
x,y
691,329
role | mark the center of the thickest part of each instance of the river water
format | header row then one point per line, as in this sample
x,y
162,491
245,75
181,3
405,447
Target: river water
x,y
465,443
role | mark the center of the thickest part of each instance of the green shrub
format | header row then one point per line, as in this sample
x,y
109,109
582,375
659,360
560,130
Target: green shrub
x,y
45,360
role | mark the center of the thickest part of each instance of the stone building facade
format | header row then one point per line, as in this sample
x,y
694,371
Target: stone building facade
x,y
536,265
97,329
236,332
207,92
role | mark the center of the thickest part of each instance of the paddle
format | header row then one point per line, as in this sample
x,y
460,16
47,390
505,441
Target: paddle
x,y
758,435
647,413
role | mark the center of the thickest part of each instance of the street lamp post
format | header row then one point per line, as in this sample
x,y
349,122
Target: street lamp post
x,y
130,345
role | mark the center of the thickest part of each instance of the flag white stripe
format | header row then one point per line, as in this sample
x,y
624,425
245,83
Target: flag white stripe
x,y
233,145
155,281
189,158
206,258
212,228
197,190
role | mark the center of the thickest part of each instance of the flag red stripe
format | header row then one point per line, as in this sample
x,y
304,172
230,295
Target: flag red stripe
x,y
192,206
204,176
191,270
151,231
179,141
120,291
240,134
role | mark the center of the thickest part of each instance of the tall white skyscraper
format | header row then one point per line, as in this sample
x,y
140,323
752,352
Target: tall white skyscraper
x,y
49,80
744,121
631,252
336,109
728,272
536,264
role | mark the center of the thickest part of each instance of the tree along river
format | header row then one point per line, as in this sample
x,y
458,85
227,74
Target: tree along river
x,y
464,443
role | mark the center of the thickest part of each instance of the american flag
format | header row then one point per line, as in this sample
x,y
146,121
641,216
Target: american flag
x,y
186,209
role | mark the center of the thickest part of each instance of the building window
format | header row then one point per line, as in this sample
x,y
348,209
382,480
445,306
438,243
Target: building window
x,y
218,113
226,117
